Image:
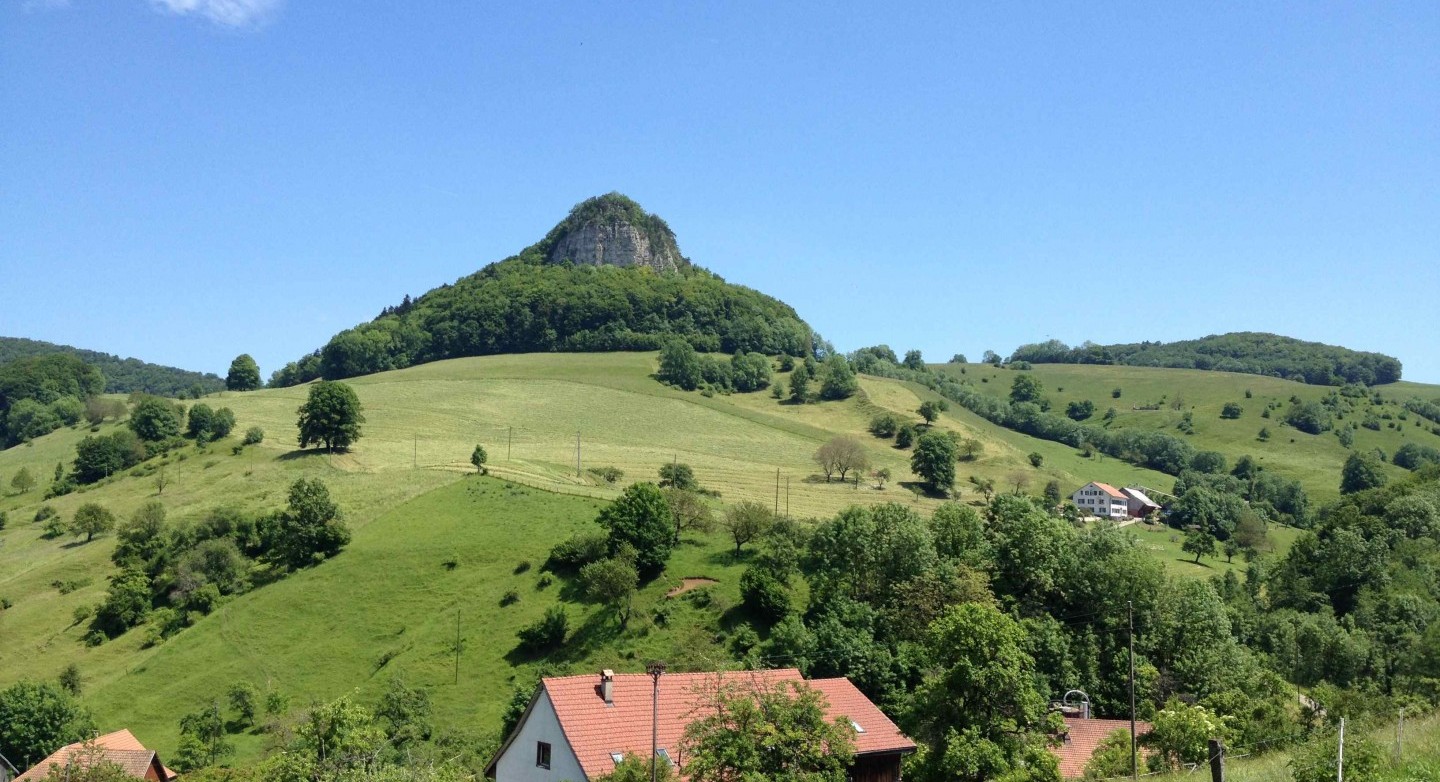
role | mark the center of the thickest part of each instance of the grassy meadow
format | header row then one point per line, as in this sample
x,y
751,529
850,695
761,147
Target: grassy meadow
x,y
1314,460
433,542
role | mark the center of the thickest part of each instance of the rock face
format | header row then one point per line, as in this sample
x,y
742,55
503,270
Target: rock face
x,y
612,230
613,243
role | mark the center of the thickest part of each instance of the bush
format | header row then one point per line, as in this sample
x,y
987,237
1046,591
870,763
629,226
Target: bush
x,y
884,425
905,435
253,436
764,595
578,551
1232,410
509,598
607,474
545,633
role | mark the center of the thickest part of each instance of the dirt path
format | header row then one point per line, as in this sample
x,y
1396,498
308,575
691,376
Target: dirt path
x,y
688,584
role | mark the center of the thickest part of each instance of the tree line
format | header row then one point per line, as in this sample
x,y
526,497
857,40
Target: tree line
x,y
1248,352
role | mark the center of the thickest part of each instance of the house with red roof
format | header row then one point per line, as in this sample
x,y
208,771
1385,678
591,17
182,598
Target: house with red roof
x,y
120,748
1101,499
580,727
1082,737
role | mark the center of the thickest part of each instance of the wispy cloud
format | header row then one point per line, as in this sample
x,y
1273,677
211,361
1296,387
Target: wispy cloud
x,y
230,13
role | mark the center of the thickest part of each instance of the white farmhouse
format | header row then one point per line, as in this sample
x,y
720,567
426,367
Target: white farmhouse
x,y
1101,499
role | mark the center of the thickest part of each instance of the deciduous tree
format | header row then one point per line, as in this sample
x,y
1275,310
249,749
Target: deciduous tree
x,y
640,518
841,454
746,521
244,374
754,732
331,416
91,519
934,461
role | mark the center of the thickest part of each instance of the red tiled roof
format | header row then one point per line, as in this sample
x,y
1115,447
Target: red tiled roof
x,y
120,748
1110,490
595,730
1082,737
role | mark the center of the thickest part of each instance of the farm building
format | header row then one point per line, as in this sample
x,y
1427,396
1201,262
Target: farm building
x,y
1138,505
579,727
1103,500
120,748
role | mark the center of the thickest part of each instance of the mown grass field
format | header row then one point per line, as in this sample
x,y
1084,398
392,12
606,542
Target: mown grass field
x,y
1314,460
388,604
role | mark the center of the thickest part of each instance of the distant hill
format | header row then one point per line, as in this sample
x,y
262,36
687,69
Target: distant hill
x,y
608,277
122,375
1250,352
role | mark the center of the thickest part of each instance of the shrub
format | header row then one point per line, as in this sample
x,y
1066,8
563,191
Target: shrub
x,y
607,474
1232,410
578,551
905,435
509,598
545,633
884,425
253,436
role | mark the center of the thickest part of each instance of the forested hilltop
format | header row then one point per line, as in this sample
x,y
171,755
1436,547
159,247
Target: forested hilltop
x,y
609,277
122,375
1251,352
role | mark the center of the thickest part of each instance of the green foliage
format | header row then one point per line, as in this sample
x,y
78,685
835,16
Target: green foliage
x,y
1413,456
205,424
91,519
838,380
800,385
934,461
545,633
680,365
119,376
478,458
979,715
28,419
613,582
640,518
405,714
1200,543
126,604
841,454
746,521
1249,352
1310,417
37,718
1036,459
253,436
1318,760
330,416
155,419
905,435
99,457
633,768
45,378
750,371
244,701
1231,410
913,361
1111,759
931,409
1361,471
767,732
1026,388
23,481
202,739
1180,734
884,425
1080,410
309,530
244,374
678,475
68,410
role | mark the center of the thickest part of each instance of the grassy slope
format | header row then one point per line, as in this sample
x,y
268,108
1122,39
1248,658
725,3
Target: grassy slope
x,y
321,633
1315,460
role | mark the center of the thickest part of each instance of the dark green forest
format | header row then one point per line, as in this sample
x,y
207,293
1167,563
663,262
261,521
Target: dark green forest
x,y
526,304
122,375
1250,352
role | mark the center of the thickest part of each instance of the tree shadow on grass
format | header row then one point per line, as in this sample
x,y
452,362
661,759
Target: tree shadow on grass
x,y
729,557
1190,561
302,453
923,489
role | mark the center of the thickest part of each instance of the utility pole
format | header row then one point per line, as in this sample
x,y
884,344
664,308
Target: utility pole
x,y
577,454
415,452
457,646
1217,761
655,669
777,491
509,437
1340,761
1134,758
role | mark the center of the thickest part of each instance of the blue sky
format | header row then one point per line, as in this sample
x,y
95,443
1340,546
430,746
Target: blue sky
x,y
185,180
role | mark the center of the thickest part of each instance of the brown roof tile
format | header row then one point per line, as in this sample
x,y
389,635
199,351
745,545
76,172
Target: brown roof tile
x,y
120,748
595,729
1082,737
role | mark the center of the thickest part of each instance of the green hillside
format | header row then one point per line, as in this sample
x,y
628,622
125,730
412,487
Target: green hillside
x,y
1158,399
122,375
409,497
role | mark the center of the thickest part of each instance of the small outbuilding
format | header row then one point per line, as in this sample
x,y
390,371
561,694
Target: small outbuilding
x,y
1139,505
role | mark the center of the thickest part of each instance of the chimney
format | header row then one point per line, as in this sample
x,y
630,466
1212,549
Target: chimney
x,y
607,686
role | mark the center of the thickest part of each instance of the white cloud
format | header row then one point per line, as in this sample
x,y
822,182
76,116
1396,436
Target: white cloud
x,y
230,13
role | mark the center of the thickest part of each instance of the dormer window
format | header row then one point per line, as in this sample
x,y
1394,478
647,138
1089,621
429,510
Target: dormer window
x,y
856,726
617,757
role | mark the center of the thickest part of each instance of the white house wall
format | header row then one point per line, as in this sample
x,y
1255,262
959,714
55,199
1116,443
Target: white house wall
x,y
518,762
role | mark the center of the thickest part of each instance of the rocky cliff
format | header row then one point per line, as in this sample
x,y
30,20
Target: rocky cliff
x,y
612,230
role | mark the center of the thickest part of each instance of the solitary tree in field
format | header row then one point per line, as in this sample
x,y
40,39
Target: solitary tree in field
x,y
1200,543
881,476
477,458
91,519
155,419
841,454
930,410
330,416
986,486
687,511
678,475
934,460
244,374
23,481
800,385
612,581
747,521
